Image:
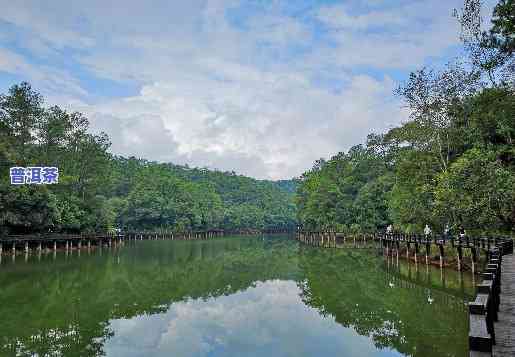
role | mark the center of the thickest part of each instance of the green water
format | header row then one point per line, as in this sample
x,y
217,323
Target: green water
x,y
233,296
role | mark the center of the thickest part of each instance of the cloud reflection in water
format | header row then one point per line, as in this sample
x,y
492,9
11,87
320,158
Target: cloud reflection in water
x,y
268,319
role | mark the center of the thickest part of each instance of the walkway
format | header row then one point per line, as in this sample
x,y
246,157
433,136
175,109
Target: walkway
x,y
505,327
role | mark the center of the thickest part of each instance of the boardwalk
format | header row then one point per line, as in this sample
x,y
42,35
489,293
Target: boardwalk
x,y
505,327
492,312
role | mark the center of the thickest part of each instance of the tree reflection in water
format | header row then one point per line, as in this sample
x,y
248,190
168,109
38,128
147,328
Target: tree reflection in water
x,y
71,306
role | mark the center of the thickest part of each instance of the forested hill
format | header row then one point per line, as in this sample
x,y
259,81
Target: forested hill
x,y
98,191
452,162
195,198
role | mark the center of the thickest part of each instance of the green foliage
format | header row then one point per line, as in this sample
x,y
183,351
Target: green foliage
x,y
503,29
490,52
34,135
181,198
411,198
478,191
99,192
28,208
346,191
490,122
402,178
452,162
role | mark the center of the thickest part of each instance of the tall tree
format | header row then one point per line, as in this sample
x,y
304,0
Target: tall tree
x,y
20,113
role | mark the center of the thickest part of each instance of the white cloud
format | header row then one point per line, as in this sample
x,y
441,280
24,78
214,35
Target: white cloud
x,y
402,37
338,17
54,26
51,80
261,91
263,128
268,319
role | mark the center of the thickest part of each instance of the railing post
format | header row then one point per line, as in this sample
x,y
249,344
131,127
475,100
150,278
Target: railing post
x,y
460,256
481,327
474,258
440,247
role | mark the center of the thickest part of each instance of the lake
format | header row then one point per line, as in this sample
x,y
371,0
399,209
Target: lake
x,y
232,296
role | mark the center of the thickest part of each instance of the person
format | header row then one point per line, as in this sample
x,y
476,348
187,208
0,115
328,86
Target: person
x,y
461,231
427,230
446,231
389,229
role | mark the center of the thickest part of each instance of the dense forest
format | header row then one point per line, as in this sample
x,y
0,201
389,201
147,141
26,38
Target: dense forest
x,y
452,162
98,191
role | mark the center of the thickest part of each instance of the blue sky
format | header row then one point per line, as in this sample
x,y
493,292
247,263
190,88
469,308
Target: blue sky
x,y
260,87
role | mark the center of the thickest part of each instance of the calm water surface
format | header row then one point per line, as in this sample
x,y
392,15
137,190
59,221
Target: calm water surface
x,y
233,296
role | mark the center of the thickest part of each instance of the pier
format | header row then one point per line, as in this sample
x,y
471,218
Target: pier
x,y
491,313
14,244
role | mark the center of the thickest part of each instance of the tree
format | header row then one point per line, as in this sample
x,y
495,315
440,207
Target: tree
x,y
453,159
433,98
349,190
26,209
97,192
20,112
490,52
502,33
411,200
477,191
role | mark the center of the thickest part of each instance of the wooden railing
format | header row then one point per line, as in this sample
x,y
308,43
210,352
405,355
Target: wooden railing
x,y
55,241
483,311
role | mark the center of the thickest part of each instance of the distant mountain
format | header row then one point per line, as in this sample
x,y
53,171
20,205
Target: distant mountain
x,y
230,201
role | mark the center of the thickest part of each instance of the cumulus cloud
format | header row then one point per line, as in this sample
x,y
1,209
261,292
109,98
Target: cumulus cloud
x,y
265,129
263,89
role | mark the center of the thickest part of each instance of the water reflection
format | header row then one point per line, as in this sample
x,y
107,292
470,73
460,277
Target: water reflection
x,y
412,316
229,297
268,319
